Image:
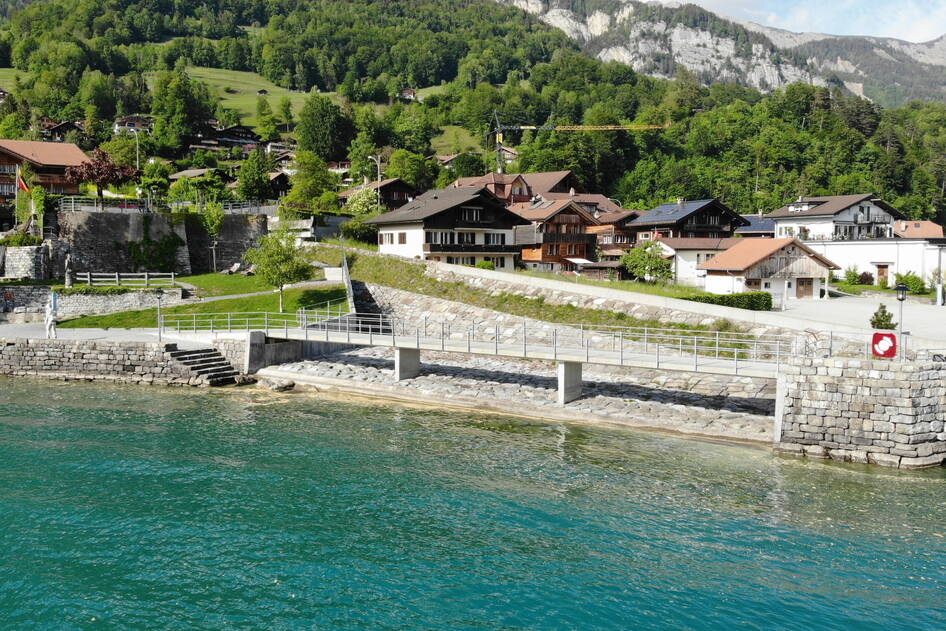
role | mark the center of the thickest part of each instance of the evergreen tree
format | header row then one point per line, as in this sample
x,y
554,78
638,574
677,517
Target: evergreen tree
x,y
253,180
322,128
310,181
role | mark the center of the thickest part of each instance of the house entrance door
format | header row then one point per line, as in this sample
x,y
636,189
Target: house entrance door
x,y
882,275
804,289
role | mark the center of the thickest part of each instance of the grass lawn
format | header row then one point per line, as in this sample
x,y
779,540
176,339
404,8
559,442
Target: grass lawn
x,y
147,318
6,77
452,137
351,243
216,284
410,277
656,289
857,290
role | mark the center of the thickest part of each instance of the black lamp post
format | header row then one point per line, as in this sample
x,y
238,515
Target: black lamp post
x,y
901,290
159,294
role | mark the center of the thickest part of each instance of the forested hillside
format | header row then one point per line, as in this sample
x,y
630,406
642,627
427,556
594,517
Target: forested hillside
x,y
85,60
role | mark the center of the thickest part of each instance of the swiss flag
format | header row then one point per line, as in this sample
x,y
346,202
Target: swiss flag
x,y
884,345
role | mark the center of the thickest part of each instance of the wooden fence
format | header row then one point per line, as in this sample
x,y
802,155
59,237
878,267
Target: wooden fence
x,y
127,279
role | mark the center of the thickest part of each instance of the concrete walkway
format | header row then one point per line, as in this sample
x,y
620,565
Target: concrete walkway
x,y
923,321
37,330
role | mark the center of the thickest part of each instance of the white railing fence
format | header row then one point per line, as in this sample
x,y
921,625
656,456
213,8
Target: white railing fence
x,y
127,279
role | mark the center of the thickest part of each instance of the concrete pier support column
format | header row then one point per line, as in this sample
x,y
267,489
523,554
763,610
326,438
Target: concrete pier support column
x,y
406,363
255,357
569,381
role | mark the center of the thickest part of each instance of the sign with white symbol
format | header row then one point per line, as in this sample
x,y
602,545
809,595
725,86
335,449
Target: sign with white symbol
x,y
884,345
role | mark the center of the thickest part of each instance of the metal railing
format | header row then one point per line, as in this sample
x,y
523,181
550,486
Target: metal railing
x,y
113,205
711,351
136,279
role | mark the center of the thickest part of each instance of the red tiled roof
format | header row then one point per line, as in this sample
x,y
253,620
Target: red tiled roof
x,y
748,252
918,229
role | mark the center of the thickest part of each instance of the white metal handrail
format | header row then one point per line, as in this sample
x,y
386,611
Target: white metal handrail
x,y
509,339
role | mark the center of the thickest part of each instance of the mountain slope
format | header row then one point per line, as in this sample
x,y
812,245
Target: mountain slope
x,y
655,38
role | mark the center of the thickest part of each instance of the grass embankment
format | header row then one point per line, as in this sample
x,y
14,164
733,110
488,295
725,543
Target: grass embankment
x,y
453,138
351,243
147,318
410,276
654,289
216,284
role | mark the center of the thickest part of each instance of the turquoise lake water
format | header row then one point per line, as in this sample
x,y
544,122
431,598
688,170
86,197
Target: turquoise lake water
x,y
149,508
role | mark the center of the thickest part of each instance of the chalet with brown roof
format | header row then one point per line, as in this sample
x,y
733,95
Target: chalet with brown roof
x,y
687,218
558,231
836,218
393,192
509,187
49,161
553,182
784,267
614,235
133,124
907,229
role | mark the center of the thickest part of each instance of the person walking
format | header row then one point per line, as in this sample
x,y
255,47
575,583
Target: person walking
x,y
50,318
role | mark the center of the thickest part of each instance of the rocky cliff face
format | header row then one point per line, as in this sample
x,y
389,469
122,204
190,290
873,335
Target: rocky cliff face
x,y
654,38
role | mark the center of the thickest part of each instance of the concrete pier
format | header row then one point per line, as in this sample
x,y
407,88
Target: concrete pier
x,y
569,381
406,363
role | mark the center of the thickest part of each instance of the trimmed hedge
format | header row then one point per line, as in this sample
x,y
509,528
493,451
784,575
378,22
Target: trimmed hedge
x,y
752,300
94,290
20,240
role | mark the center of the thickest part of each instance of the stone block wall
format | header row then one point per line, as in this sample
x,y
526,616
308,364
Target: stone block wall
x,y
83,360
882,412
238,234
25,262
33,299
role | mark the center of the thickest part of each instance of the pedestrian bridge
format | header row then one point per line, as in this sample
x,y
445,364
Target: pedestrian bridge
x,y
571,345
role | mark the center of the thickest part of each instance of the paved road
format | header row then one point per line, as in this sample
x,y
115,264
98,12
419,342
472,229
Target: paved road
x,y
37,330
921,320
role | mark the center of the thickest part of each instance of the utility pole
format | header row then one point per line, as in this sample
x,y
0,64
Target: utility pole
x,y
377,188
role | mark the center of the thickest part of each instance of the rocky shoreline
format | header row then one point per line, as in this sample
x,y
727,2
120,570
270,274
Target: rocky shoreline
x,y
528,388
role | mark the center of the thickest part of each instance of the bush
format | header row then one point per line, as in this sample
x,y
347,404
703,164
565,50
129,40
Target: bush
x,y
486,265
752,300
851,276
911,280
882,319
94,290
866,278
20,240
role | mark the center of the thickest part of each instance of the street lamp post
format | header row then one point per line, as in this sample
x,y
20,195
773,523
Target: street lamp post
x,y
901,289
159,294
377,161
137,150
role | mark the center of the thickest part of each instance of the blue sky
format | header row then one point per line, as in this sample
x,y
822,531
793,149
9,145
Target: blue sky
x,y
911,20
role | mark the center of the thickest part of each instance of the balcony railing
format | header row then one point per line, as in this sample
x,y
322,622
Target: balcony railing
x,y
470,247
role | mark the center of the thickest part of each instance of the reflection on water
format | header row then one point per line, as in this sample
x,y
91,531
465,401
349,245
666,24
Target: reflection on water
x,y
179,509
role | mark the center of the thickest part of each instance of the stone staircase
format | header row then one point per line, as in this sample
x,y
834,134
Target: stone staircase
x,y
207,366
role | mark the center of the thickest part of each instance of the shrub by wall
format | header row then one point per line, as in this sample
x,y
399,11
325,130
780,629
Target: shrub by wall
x,y
752,300
94,290
20,240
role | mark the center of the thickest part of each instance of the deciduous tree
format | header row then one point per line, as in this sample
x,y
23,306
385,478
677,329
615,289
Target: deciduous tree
x,y
279,261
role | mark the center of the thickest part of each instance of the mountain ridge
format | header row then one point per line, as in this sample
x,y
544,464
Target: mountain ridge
x,y
655,38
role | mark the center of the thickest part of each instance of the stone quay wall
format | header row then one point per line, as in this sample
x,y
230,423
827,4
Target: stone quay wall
x,y
22,299
81,360
881,412
416,308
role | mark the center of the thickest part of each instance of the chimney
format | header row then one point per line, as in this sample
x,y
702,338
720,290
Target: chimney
x,y
680,201
571,192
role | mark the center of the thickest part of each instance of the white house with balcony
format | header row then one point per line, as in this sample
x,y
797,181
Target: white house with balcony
x,y
836,218
460,225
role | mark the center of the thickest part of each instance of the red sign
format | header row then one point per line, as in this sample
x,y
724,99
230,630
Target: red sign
x,y
884,345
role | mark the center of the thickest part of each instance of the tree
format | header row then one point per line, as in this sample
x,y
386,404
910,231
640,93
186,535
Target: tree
x,y
285,112
100,171
279,261
211,218
362,206
882,319
311,179
412,168
121,149
322,128
265,121
647,262
253,181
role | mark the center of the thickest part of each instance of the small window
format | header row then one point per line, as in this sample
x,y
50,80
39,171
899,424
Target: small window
x,y
767,285
401,238
789,284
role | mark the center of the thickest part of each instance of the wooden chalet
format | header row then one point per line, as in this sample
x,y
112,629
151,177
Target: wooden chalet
x,y
394,192
49,161
558,232
693,218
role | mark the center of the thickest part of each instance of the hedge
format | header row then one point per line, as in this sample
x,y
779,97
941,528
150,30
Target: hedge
x,y
752,300
20,240
94,290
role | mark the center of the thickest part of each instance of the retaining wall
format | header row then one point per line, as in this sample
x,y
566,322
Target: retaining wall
x,y
22,299
25,262
82,360
882,412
